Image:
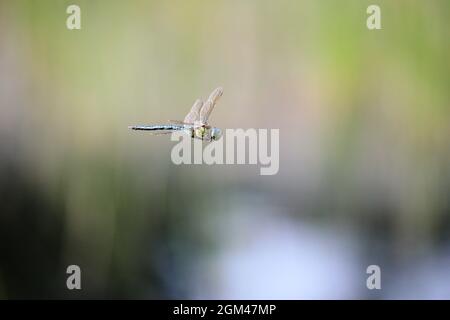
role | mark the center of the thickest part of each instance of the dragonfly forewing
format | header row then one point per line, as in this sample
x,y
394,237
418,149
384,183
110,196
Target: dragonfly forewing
x,y
194,113
208,106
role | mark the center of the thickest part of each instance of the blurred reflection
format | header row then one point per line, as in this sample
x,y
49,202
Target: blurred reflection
x,y
265,254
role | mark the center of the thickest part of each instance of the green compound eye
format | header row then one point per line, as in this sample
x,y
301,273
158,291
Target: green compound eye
x,y
216,133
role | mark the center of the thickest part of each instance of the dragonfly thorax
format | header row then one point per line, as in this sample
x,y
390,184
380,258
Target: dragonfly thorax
x,y
206,133
200,133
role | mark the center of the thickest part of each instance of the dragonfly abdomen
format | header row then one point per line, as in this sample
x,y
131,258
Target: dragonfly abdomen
x,y
168,127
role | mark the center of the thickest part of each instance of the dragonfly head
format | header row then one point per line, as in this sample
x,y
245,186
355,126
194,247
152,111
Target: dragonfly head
x,y
216,133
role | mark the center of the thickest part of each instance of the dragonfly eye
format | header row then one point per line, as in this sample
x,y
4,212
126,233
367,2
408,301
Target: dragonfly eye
x,y
216,134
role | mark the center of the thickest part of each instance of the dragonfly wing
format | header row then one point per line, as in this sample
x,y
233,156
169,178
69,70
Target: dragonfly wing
x,y
194,114
208,106
179,122
160,133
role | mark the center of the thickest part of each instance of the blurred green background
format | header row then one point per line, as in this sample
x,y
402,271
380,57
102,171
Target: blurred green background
x,y
364,125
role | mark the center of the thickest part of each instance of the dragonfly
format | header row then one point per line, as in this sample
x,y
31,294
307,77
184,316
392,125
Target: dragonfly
x,y
195,124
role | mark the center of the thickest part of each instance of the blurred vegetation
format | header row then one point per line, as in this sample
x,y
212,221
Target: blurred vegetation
x,y
364,118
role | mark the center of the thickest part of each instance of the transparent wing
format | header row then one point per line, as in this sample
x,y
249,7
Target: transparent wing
x,y
160,133
179,122
208,106
194,114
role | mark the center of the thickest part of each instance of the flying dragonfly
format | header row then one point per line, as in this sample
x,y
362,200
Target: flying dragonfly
x,y
195,124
